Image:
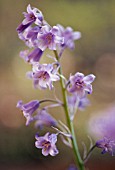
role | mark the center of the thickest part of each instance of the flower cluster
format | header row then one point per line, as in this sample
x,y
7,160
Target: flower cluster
x,y
38,35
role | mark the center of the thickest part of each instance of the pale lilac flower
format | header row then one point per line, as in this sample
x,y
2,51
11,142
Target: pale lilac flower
x,y
75,102
106,145
48,38
28,109
43,75
47,144
31,35
33,56
23,37
33,15
44,118
103,124
69,37
80,84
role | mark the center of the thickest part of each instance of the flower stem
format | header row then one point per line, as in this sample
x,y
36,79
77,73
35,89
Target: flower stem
x,y
79,161
88,154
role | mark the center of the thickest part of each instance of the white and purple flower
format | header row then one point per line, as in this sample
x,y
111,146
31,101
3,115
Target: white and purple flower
x,y
48,38
28,109
33,56
33,15
47,144
44,118
80,84
106,145
43,75
74,103
69,37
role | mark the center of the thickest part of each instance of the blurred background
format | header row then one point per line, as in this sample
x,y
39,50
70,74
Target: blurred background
x,y
94,53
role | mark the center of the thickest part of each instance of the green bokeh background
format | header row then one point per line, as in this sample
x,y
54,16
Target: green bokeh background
x,y
94,53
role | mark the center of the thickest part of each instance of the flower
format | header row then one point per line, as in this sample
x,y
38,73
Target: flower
x,y
32,35
72,167
106,145
48,38
69,37
47,144
103,123
28,109
33,15
74,103
44,118
33,56
43,75
23,37
80,84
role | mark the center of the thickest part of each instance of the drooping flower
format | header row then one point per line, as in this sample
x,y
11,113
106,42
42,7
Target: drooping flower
x,y
32,35
44,118
33,15
80,84
106,145
69,37
28,109
47,144
74,103
23,37
33,56
48,38
43,75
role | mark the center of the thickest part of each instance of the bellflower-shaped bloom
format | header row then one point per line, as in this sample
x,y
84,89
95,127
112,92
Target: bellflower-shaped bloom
x,y
23,37
80,84
47,144
44,118
48,38
82,103
32,35
33,15
106,145
74,103
69,37
43,75
28,109
33,56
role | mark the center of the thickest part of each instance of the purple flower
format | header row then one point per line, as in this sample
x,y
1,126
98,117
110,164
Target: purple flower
x,y
82,103
106,145
47,144
32,15
28,109
32,35
80,84
103,123
72,167
43,75
48,38
74,103
69,37
44,118
33,56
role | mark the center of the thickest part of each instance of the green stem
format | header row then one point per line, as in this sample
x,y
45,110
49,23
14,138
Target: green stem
x,y
50,100
79,161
